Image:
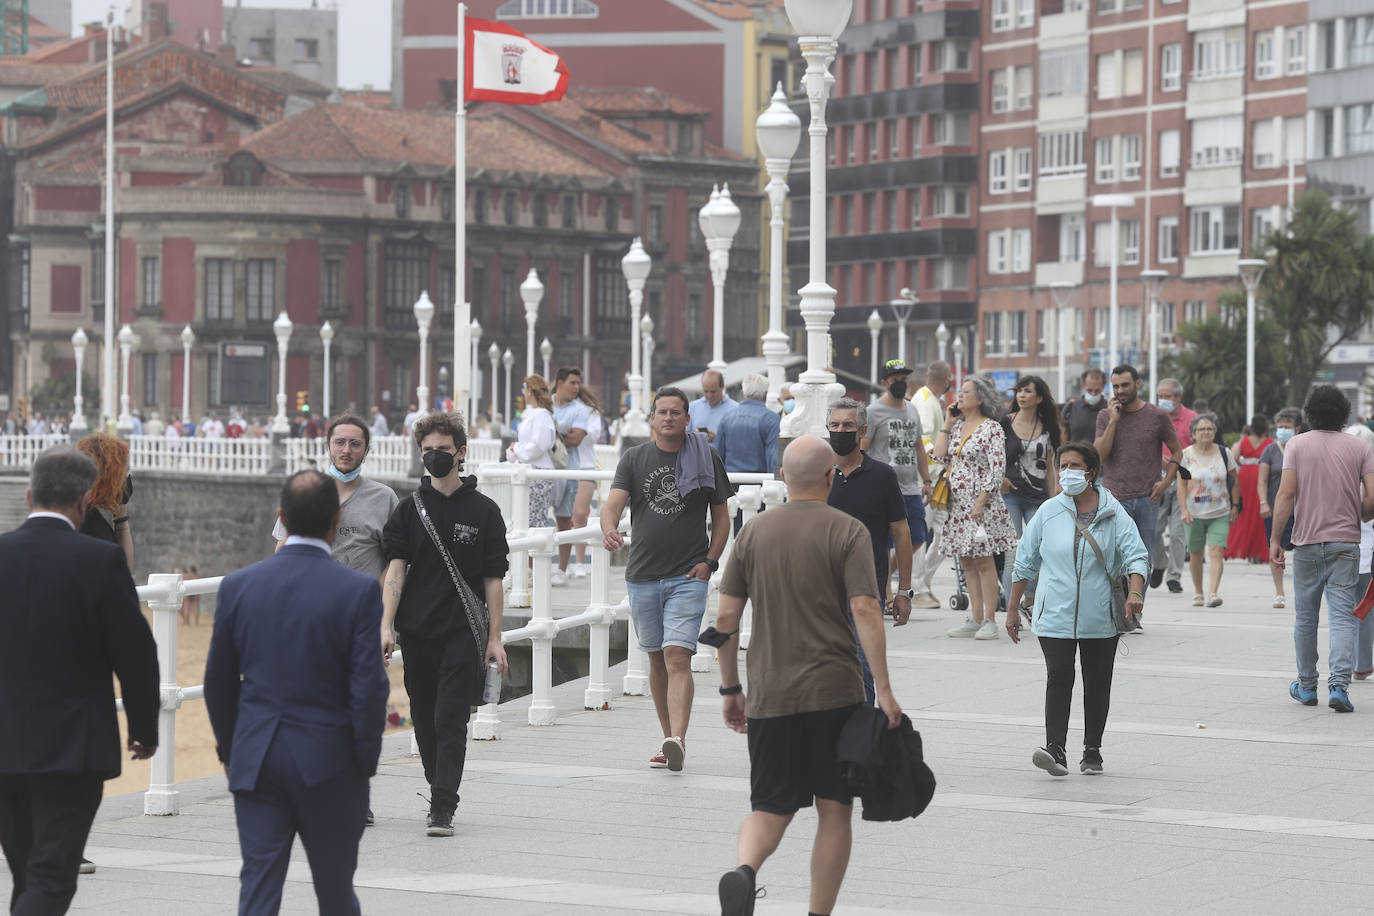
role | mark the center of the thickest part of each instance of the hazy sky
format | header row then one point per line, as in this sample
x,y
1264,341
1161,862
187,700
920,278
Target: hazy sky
x,y
364,34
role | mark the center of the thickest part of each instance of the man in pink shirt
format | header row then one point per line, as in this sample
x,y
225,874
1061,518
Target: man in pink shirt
x,y
1323,471
1169,567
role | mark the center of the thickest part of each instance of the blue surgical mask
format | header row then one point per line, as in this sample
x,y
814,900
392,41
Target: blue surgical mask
x,y
789,405
1283,434
340,475
1073,481
1166,404
1093,399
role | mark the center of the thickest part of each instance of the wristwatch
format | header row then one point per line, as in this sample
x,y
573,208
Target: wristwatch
x,y
712,565
907,593
728,691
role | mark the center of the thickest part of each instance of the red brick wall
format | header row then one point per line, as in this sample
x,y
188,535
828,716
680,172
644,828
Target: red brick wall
x,y
85,199
336,182
178,280
155,179
66,288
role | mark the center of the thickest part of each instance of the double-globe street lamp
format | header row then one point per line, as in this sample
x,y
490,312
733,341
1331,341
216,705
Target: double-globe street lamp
x,y
78,424
1154,281
778,131
424,314
326,338
636,266
818,23
1251,269
906,301
531,294
875,327
282,328
719,221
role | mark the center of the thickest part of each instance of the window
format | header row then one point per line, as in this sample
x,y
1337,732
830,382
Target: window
x,y
1132,72
1103,157
1108,86
1359,41
1061,153
949,273
307,48
260,49
872,62
446,194
1194,310
894,140
260,289
1130,241
997,172
1295,138
1025,13
1016,333
1071,239
1168,153
1168,321
331,286
509,205
1214,229
1297,50
691,318
952,128
541,210
1064,72
1022,157
892,58
565,298
872,130
1219,53
479,206
849,144
1130,157
1265,66
1170,67
569,212
219,289
1024,80
1359,128
401,197
1168,239
1049,337
915,197
611,214
992,333
547,9
149,379
997,251
1261,224
1001,90
1130,327
915,136
98,274
949,201
953,54
890,211
1020,250
844,225
1102,243
152,283
1325,136
477,292
870,203
1001,15
1264,145
1218,141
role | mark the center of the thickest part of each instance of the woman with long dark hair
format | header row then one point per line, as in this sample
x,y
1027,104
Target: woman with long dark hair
x,y
1034,430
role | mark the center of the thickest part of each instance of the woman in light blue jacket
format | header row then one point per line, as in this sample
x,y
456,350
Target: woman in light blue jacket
x,y
1073,603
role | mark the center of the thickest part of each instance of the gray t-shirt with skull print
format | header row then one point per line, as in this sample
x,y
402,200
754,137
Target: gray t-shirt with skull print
x,y
668,533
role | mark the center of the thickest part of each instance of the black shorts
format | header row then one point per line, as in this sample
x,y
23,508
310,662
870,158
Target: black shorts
x,y
792,760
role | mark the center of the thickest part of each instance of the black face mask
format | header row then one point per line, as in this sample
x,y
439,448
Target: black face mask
x,y
438,462
898,389
842,443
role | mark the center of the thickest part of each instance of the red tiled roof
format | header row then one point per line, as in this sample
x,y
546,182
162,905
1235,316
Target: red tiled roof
x,y
284,80
54,48
595,127
735,9
372,98
648,100
23,71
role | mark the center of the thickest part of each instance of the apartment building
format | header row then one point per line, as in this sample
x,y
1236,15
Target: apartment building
x,y
1195,110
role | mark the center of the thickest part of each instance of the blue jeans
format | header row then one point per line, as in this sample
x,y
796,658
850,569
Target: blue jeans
x,y
1333,568
1364,649
1145,514
1022,510
667,612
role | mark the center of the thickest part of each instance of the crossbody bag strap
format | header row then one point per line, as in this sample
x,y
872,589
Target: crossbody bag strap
x,y
1092,542
472,607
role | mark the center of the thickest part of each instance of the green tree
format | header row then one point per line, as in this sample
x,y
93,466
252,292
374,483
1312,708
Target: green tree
x,y
1318,288
1212,364
54,395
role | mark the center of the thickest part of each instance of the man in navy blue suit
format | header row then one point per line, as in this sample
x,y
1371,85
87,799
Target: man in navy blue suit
x,y
297,692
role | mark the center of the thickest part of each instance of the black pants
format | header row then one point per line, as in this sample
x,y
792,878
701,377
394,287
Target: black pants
x,y
44,822
441,677
1097,657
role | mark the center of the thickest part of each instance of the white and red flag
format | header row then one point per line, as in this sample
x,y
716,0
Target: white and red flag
x,y
505,66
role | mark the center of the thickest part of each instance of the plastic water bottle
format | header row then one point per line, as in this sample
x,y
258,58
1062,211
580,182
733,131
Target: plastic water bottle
x,y
491,693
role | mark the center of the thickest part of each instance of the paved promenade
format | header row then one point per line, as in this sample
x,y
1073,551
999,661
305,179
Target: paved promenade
x,y
1221,795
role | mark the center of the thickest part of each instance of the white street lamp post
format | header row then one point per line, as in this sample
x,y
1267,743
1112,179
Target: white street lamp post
x,y
546,351
424,313
719,222
125,426
188,339
636,266
475,337
958,361
508,360
326,338
910,300
778,131
531,293
942,340
494,357
1154,285
282,328
819,24
1114,201
78,424
646,334
1062,292
875,327
1251,269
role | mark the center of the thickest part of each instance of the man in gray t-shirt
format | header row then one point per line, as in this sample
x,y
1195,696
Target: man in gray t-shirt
x,y
671,561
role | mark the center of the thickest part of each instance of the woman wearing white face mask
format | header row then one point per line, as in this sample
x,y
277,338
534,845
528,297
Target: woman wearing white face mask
x,y
1073,604
1270,474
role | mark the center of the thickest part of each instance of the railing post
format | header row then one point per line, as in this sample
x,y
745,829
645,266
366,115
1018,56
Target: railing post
x,y
636,681
598,695
520,512
162,797
542,708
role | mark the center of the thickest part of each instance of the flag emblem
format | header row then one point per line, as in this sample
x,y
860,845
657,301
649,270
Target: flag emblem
x,y
504,65
511,58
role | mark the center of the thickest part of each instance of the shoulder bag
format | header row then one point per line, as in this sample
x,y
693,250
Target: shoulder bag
x,y
940,493
1124,623
474,608
559,453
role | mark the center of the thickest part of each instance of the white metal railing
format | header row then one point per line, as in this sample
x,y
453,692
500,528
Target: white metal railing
x,y
239,457
20,451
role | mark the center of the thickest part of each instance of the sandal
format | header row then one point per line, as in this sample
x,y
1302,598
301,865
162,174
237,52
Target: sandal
x,y
1214,601
1278,601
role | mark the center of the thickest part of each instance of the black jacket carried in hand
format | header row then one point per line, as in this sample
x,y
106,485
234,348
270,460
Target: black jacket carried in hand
x,y
884,767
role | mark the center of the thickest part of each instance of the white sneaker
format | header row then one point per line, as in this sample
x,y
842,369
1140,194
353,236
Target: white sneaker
x,y
558,578
674,751
987,631
965,629
579,570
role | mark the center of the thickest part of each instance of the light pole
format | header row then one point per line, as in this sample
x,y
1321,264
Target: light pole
x,y
958,361
508,360
1251,269
326,338
909,299
941,340
719,222
546,351
531,293
282,328
78,424
1114,201
424,313
875,327
475,336
1154,281
778,130
494,356
819,24
188,339
635,266
646,334
1062,291
125,426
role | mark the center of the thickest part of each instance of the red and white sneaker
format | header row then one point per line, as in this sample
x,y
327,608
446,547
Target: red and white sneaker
x,y
658,761
675,751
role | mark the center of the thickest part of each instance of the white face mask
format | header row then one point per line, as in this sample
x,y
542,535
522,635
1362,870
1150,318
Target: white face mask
x,y
1073,481
1166,404
1093,399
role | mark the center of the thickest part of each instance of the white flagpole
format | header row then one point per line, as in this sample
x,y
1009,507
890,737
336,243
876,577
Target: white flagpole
x,y
462,310
107,357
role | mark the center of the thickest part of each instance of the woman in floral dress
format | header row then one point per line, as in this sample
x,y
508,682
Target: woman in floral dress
x,y
973,448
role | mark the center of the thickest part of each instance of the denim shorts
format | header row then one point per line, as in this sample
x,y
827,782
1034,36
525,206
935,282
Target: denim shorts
x,y
565,494
668,612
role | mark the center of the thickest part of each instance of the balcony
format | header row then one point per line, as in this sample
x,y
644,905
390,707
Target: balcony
x,y
1064,108
1063,194
1215,178
1063,19
1216,96
1220,264
1215,14
1047,272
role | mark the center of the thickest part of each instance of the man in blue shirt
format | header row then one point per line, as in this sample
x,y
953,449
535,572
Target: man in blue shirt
x,y
747,439
707,411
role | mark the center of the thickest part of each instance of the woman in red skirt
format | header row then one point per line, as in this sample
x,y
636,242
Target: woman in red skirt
x,y
1247,540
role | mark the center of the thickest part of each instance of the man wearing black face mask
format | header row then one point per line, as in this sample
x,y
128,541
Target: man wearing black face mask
x,y
446,552
868,490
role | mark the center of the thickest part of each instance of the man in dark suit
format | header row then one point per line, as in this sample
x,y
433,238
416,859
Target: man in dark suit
x,y
70,618
296,692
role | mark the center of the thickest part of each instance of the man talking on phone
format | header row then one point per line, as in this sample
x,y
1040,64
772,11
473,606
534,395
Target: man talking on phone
x,y
1130,434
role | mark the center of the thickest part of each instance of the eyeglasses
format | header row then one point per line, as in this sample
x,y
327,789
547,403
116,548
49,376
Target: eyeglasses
x,y
354,444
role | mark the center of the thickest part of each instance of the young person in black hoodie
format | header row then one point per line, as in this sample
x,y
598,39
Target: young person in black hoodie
x,y
446,555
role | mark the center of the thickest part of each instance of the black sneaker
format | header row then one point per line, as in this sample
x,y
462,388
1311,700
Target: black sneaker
x,y
1051,759
87,866
737,892
371,819
1175,587
1091,764
439,822
1156,578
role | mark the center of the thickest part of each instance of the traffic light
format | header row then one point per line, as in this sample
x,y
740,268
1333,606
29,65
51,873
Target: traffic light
x,y
302,401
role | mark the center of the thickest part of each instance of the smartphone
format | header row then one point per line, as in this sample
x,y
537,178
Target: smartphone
x,y
954,411
702,429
